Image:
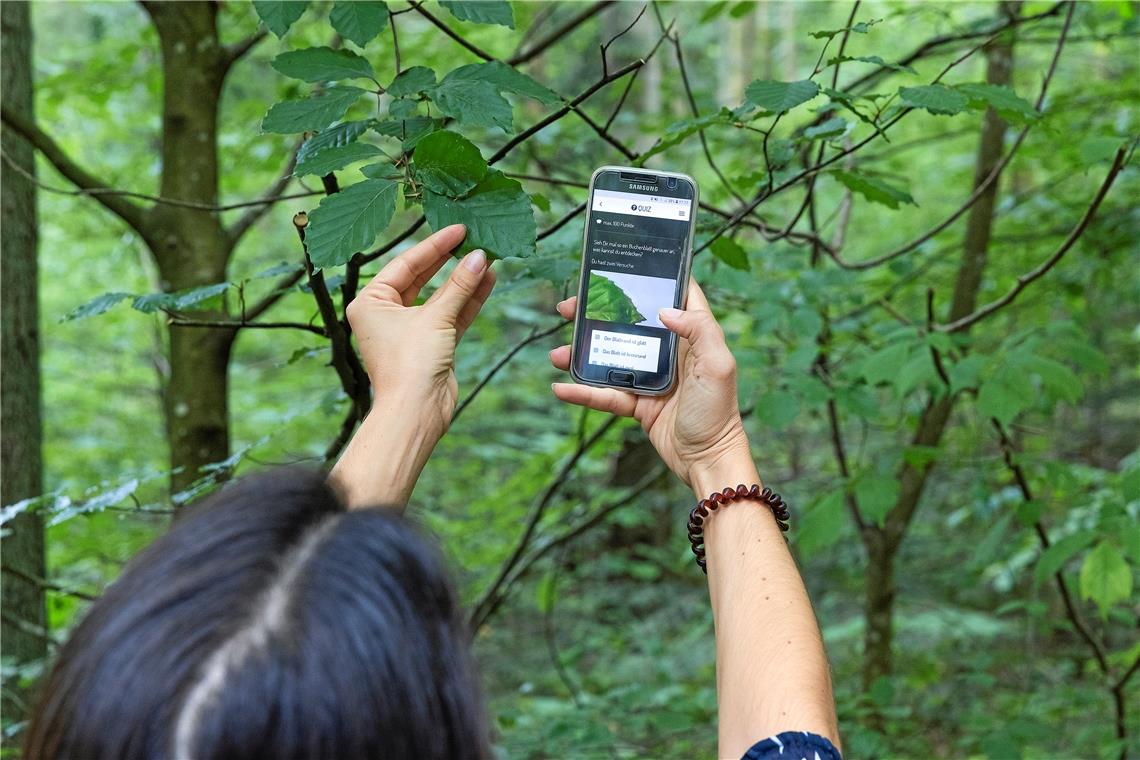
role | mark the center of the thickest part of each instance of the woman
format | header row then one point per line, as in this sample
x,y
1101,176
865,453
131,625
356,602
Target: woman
x,y
284,618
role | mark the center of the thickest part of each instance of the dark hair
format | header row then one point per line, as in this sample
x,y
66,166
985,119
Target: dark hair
x,y
270,623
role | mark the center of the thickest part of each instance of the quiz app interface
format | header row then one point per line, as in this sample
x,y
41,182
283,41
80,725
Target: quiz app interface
x,y
634,248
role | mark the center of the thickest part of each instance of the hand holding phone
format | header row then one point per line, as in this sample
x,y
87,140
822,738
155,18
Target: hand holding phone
x,y
636,251
696,427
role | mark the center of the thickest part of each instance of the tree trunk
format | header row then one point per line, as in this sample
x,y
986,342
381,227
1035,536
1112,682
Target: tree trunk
x,y
22,633
190,245
882,544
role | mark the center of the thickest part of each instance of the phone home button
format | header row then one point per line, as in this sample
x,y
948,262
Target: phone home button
x,y
617,377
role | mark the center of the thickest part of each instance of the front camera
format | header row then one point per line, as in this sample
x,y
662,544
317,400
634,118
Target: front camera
x,y
671,183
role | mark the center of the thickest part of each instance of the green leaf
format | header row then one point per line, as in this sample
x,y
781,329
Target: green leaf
x,y
917,371
497,213
730,252
504,78
448,163
935,98
546,593
279,15
1105,577
473,104
1059,381
382,170
876,494
870,59
861,28
874,189
540,201
821,525
1008,104
680,131
607,302
806,323
178,300
349,221
482,11
358,20
964,374
1006,394
833,127
331,159
779,97
412,81
96,306
410,131
882,365
1028,512
322,64
312,114
777,409
403,108
333,137
1055,557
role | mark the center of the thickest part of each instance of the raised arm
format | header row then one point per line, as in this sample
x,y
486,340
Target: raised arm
x,y
409,354
772,672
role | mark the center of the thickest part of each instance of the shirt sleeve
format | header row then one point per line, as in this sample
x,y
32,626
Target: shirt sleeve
x,y
793,745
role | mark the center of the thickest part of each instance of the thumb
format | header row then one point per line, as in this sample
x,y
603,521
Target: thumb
x,y
698,326
461,285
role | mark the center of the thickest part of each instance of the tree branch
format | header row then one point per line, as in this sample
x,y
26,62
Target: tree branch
x,y
1026,279
251,217
235,52
491,598
559,32
131,213
224,324
451,32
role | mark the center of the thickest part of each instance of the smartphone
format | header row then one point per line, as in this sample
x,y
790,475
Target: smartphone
x,y
636,252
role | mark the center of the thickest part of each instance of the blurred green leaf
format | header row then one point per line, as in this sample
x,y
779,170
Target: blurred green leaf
x,y
349,221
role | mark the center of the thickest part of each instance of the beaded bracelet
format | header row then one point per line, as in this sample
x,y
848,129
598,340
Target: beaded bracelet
x,y
705,506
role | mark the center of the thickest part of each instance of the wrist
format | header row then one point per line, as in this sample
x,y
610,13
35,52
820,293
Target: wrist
x,y
730,466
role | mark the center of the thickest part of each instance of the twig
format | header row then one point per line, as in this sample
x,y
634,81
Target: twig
x,y
605,46
47,585
342,437
255,212
559,32
395,43
234,53
452,33
492,596
1025,280
535,335
234,324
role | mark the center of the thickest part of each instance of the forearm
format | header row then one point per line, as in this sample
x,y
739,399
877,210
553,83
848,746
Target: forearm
x,y
772,672
382,462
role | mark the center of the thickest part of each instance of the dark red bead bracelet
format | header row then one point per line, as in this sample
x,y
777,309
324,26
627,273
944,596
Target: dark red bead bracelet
x,y
718,499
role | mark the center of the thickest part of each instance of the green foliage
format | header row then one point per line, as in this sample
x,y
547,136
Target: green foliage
x,y
936,98
874,189
497,213
412,81
279,15
312,114
349,221
607,302
358,21
322,64
1105,577
322,162
780,97
730,252
448,164
482,11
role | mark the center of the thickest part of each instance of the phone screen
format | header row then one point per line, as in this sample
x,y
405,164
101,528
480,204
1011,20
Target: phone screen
x,y
638,242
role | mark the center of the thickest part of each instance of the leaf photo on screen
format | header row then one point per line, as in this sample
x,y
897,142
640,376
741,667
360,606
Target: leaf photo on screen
x,y
630,299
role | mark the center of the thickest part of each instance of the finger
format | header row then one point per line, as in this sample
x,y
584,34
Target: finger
x,y
696,300
560,357
412,269
474,304
602,399
696,325
567,308
460,286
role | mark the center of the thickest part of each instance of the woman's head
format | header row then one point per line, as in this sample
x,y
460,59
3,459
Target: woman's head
x,y
269,622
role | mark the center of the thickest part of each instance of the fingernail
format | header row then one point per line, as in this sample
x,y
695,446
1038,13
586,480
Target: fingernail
x,y
475,261
455,227
670,313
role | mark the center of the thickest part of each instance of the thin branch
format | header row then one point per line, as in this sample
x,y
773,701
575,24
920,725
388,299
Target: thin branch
x,y
342,437
1071,611
400,237
559,32
234,324
251,217
491,598
566,219
102,192
131,213
535,335
555,116
235,52
283,287
47,585
605,46
452,33
1026,279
